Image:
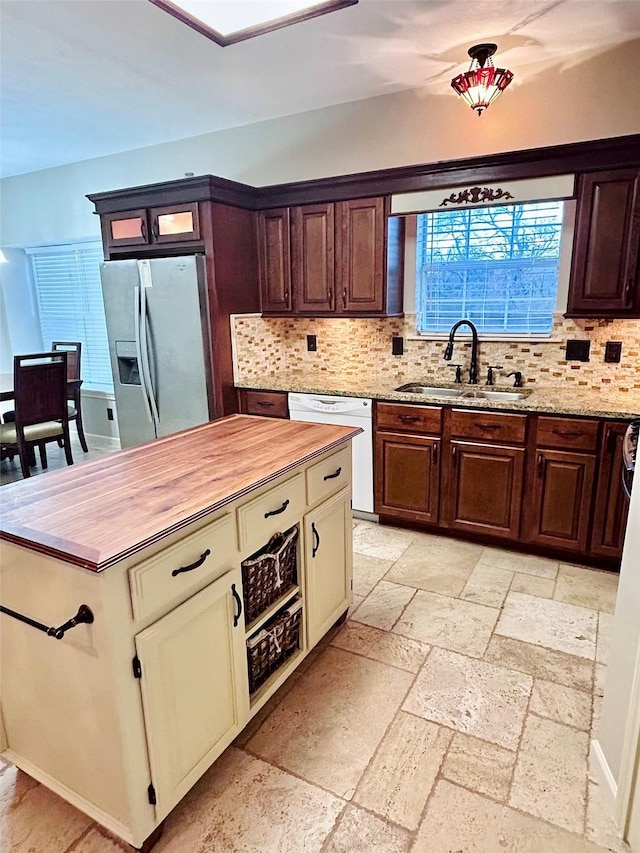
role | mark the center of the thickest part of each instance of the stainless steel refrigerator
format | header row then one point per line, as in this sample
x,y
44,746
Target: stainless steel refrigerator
x,y
159,344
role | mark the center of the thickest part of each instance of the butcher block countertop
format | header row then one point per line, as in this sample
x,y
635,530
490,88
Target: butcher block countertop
x,y
97,513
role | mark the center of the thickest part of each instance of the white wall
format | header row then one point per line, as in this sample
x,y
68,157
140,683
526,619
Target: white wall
x,y
19,309
590,100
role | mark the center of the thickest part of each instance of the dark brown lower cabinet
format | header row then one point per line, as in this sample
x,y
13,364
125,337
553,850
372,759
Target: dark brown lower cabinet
x,y
407,476
485,488
561,500
611,504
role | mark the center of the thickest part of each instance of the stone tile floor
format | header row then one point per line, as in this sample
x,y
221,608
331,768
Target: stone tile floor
x,y
451,713
10,471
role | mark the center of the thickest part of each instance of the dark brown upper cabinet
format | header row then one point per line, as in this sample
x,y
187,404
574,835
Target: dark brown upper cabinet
x,y
605,277
274,261
331,259
170,224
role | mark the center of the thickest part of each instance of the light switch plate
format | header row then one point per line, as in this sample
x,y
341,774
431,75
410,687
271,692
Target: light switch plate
x,y
578,350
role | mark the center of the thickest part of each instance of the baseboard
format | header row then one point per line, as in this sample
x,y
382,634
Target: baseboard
x,y
601,772
365,516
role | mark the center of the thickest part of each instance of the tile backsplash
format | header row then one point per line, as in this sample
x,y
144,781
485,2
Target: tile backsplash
x,y
361,348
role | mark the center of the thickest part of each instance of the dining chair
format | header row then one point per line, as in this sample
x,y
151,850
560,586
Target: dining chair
x,y
41,413
74,352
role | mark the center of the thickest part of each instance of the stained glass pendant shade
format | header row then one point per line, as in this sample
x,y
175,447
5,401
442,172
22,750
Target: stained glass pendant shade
x,y
483,82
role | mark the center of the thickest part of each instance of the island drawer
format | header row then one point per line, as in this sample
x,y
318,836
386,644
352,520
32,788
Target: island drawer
x,y
409,418
329,475
480,425
172,575
567,433
271,512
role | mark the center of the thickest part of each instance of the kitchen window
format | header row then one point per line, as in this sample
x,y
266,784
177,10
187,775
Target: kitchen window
x,y
497,266
70,307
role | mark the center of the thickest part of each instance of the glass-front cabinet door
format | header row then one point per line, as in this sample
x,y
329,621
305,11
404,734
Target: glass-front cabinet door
x,y
175,223
128,228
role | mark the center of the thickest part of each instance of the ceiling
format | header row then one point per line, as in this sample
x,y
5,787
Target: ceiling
x,y
87,78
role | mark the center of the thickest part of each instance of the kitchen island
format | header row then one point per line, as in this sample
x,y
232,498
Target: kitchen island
x,y
166,546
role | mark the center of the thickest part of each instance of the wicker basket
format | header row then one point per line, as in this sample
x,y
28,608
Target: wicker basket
x,y
271,646
269,573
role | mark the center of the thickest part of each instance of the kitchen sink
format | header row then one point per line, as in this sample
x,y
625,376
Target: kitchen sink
x,y
431,390
463,393
505,396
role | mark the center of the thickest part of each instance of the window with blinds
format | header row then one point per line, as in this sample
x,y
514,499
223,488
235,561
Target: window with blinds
x,y
69,293
496,266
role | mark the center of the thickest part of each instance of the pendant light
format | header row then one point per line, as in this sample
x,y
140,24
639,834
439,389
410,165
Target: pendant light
x,y
482,83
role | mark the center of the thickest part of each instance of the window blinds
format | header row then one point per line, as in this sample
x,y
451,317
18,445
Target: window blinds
x,y
69,293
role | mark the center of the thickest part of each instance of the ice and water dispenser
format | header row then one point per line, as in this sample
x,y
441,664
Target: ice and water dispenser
x,y
127,358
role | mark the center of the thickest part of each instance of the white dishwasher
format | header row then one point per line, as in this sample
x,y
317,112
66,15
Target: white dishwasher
x,y
344,411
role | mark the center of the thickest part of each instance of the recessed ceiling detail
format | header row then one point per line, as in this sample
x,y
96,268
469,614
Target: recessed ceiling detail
x,y
226,21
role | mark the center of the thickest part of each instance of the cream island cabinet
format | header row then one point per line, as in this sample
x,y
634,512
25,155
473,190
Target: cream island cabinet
x,y
167,545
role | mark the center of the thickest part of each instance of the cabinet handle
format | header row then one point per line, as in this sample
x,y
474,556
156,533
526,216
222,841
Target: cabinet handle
x,y
565,433
540,464
237,616
192,566
266,404
286,297
330,297
344,298
277,511
143,229
154,228
333,476
408,419
316,536
490,427
454,456
435,453
628,291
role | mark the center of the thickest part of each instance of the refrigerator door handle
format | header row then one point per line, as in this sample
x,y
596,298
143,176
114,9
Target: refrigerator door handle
x,y
146,368
136,326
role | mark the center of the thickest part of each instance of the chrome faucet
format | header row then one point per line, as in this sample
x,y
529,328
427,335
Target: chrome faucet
x,y
473,367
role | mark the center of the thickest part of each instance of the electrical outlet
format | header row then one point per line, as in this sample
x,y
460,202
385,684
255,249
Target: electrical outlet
x,y
613,351
397,345
578,350
109,413
312,343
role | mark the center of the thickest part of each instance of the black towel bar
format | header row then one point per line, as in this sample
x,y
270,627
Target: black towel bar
x,y
84,615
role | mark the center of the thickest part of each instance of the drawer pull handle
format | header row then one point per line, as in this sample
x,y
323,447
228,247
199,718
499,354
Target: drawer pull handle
x,y
435,454
236,617
565,433
266,404
409,419
482,425
344,298
316,536
277,511
333,476
540,464
192,566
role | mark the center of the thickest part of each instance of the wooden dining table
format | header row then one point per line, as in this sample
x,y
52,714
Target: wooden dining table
x,y
6,386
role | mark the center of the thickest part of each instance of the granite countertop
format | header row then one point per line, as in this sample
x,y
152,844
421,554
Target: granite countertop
x,y
561,399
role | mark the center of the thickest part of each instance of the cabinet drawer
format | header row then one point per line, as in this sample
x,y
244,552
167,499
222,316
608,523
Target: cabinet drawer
x,y
481,425
162,582
275,510
567,434
328,476
268,403
409,418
